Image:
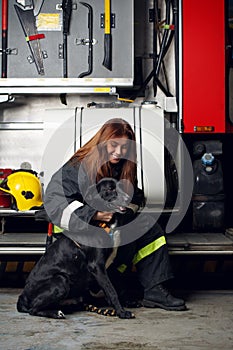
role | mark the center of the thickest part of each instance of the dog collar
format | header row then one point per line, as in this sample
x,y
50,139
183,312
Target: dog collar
x,y
105,227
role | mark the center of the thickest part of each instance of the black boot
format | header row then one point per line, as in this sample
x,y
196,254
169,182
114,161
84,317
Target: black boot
x,y
158,296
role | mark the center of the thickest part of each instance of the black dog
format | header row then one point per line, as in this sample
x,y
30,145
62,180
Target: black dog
x,y
67,268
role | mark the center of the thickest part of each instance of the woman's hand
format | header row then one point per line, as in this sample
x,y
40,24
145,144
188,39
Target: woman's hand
x,y
103,216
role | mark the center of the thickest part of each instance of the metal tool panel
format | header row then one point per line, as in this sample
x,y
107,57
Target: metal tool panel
x,y
21,73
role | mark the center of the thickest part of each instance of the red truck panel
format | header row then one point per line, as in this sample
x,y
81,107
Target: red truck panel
x,y
203,64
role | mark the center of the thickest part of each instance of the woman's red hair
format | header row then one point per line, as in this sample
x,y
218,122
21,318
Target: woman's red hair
x,y
94,153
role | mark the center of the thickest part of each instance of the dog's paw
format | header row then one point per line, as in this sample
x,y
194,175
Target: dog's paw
x,y
60,315
126,314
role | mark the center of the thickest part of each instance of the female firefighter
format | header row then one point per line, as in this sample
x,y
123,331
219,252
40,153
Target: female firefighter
x,y
111,153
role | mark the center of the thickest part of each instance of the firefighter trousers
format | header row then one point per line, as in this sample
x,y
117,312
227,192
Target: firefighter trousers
x,y
149,254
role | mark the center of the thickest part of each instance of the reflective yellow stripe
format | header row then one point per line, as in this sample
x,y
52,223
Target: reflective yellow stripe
x,y
122,268
149,249
57,229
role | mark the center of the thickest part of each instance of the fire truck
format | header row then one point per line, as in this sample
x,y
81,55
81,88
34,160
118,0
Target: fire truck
x,y
165,66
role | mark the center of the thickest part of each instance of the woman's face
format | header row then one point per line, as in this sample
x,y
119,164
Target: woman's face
x,y
117,149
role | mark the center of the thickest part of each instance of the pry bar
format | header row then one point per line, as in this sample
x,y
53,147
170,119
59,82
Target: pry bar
x,y
90,40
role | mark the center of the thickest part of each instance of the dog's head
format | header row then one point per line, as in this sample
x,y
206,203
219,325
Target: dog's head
x,y
108,195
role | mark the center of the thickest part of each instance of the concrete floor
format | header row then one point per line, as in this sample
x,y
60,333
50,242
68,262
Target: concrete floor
x,y
207,324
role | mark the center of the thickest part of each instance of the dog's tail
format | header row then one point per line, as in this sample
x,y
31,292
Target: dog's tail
x,y
100,311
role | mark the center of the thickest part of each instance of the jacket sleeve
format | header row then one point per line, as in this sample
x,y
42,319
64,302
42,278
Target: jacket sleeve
x,y
63,200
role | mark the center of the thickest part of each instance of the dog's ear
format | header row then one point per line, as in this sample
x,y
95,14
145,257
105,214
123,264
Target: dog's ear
x,y
90,192
93,190
94,194
125,185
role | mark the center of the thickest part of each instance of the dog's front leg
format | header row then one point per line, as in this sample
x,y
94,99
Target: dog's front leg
x,y
100,274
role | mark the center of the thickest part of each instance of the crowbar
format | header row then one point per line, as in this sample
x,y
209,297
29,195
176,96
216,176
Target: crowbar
x,y
90,41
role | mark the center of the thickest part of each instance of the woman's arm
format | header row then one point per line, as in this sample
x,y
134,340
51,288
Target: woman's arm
x,y
63,199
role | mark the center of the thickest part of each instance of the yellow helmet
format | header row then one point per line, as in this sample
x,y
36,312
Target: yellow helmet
x,y
25,188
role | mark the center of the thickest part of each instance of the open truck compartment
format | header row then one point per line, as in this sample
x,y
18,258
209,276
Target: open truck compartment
x,y
54,49
59,83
